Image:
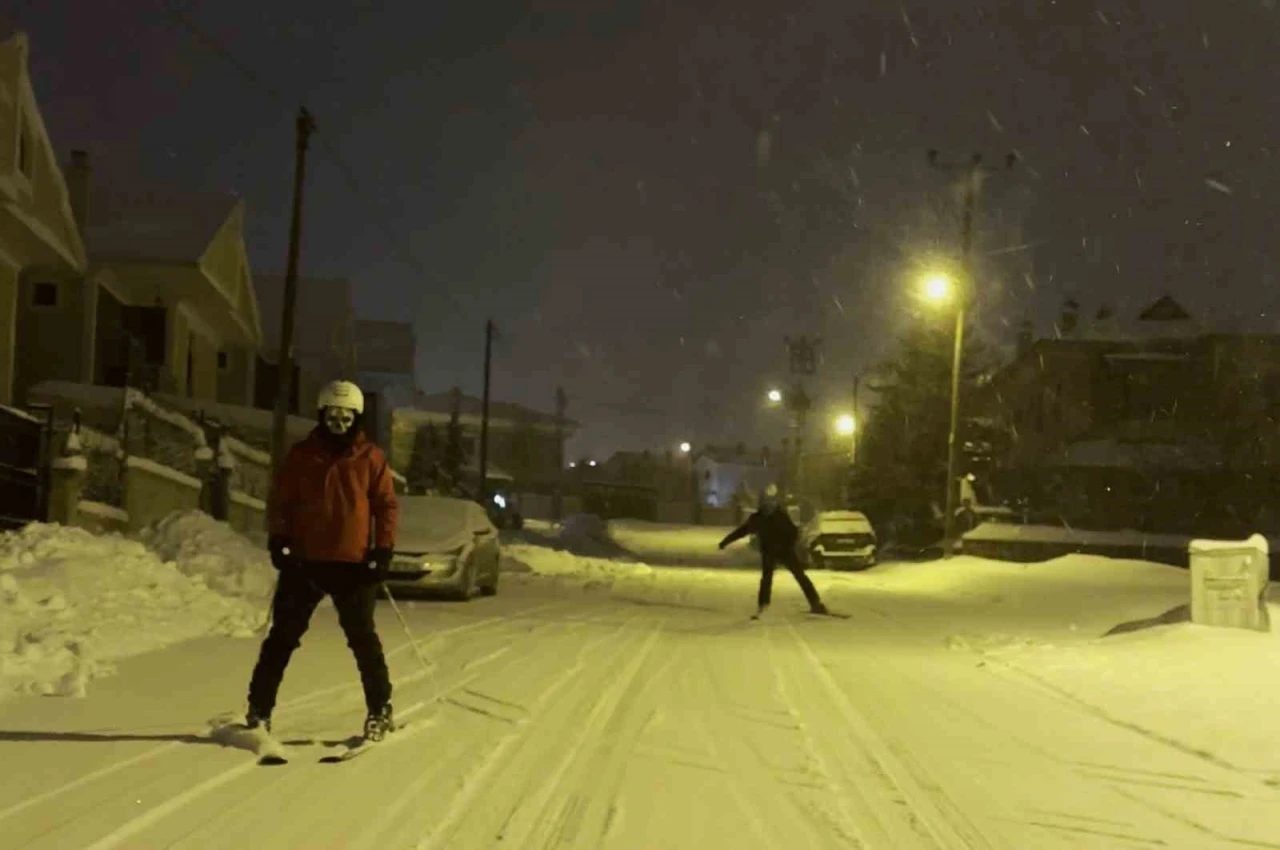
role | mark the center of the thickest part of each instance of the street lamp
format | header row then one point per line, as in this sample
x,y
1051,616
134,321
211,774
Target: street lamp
x,y
685,448
775,396
938,288
846,425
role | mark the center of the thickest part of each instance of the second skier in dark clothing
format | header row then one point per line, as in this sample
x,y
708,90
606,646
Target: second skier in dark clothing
x,y
778,536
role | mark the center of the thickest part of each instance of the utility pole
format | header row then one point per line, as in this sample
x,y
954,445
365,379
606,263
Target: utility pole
x,y
305,125
557,502
803,356
973,172
484,411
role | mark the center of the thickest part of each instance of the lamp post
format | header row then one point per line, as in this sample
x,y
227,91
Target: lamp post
x,y
937,289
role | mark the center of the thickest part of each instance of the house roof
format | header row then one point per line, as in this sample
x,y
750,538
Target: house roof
x,y
1163,319
442,403
154,224
389,347
322,315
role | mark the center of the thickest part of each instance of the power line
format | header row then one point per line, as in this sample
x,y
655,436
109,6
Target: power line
x,y
346,171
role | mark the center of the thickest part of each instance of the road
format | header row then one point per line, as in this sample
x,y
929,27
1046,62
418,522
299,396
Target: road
x,y
569,717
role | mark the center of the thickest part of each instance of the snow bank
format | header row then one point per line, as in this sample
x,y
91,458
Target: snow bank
x,y
201,547
544,561
72,602
692,545
1004,533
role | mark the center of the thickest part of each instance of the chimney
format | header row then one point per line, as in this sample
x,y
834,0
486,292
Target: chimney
x,y
1070,317
1026,338
77,177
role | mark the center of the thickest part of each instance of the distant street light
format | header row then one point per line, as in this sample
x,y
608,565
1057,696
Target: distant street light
x,y
938,288
846,425
775,396
685,448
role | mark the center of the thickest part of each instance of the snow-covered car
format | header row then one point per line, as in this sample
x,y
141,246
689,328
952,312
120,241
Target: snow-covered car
x,y
446,546
839,540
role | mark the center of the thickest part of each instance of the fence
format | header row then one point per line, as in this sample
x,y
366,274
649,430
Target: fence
x,y
24,447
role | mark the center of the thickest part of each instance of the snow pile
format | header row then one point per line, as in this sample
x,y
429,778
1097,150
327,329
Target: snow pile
x,y
202,547
72,602
544,561
694,545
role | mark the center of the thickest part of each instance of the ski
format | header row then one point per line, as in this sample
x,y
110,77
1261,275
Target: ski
x,y
361,745
233,733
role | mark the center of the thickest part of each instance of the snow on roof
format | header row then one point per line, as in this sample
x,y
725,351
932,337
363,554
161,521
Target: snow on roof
x,y
161,224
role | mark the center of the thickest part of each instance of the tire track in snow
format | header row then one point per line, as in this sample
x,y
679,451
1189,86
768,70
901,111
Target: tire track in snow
x,y
157,778
458,756
543,735
286,709
934,816
238,817
554,818
707,692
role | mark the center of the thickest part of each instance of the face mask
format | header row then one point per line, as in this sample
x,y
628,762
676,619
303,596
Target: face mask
x,y
339,420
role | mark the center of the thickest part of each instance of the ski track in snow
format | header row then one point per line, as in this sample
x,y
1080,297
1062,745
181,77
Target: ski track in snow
x,y
591,724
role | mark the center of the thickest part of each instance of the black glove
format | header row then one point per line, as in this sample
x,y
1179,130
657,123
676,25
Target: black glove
x,y
723,545
282,556
380,562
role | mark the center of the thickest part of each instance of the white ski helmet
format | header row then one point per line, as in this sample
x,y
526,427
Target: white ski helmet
x,y
341,394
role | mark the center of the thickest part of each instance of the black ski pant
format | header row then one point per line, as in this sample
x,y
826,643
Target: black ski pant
x,y
301,588
792,563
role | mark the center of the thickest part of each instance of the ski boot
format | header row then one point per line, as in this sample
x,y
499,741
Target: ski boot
x,y
759,612
819,609
379,724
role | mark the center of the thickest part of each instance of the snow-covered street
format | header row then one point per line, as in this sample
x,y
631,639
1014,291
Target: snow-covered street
x,y
963,705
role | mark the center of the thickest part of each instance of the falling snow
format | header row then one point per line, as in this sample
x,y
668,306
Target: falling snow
x,y
1217,186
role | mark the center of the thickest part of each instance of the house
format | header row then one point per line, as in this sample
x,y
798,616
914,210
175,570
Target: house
x,y
1121,411
386,353
527,444
323,339
726,475
167,304
42,256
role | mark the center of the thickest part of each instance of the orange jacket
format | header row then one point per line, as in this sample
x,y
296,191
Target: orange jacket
x,y
324,501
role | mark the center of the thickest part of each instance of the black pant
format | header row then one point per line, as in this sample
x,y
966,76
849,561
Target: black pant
x,y
767,565
300,590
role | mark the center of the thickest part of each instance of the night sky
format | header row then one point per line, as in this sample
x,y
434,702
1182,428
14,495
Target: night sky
x,y
647,198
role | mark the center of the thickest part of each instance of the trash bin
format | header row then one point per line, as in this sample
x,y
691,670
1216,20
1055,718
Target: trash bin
x,y
1229,580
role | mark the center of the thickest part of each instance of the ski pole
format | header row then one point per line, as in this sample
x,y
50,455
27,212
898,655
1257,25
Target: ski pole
x,y
426,668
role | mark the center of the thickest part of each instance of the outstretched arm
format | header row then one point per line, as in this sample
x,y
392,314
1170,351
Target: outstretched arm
x,y
740,532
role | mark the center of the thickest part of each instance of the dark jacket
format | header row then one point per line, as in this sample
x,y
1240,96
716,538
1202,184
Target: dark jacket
x,y
328,495
777,533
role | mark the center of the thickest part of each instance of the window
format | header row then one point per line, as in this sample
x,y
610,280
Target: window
x,y
223,361
44,294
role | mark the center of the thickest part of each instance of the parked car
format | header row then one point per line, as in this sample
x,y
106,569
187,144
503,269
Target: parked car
x,y
839,540
446,546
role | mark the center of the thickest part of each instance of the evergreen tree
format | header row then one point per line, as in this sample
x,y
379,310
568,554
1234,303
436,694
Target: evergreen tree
x,y
452,463
902,453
